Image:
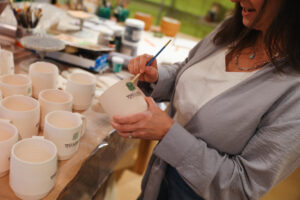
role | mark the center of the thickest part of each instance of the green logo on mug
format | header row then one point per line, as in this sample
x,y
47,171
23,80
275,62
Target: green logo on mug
x,y
29,91
75,136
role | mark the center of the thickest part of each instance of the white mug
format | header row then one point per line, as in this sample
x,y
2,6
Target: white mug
x,y
54,99
24,112
65,129
8,137
6,62
44,75
82,86
119,100
33,167
11,84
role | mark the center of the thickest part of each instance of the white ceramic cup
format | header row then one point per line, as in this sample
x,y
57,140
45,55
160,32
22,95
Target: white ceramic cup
x,y
82,86
44,75
65,129
8,137
6,62
12,84
24,112
54,99
119,100
33,166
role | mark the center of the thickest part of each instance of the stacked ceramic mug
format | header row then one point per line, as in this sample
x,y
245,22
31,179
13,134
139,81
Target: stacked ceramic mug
x,y
31,103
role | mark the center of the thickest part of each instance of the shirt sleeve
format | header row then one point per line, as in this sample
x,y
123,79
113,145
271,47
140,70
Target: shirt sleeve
x,y
271,155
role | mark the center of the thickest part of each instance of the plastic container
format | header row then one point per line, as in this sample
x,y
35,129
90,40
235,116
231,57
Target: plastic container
x,y
105,36
133,30
118,32
129,48
117,63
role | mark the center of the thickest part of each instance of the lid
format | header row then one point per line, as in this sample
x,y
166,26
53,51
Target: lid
x,y
171,20
118,30
135,23
143,14
117,59
106,32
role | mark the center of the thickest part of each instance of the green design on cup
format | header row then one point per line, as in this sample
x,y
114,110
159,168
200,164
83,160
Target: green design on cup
x,y
75,136
130,86
29,91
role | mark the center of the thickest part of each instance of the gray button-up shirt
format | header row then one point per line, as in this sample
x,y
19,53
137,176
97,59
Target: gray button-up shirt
x,y
239,144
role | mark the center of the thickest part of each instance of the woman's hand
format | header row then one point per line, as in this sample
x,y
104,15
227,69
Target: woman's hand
x,y
152,124
138,65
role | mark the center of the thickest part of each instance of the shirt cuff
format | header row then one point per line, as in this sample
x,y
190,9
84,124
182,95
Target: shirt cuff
x,y
175,145
160,83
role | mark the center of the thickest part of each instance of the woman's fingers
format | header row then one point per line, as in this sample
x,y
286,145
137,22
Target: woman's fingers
x,y
151,104
140,63
131,66
126,135
143,61
123,128
151,74
136,65
132,118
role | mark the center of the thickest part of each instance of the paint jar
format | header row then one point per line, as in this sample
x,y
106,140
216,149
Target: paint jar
x,y
129,48
118,39
170,26
105,36
147,18
133,30
117,63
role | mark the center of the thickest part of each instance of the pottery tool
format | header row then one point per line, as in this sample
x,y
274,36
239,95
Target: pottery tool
x,y
130,84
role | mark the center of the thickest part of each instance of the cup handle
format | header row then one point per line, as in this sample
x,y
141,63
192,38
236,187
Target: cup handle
x,y
83,127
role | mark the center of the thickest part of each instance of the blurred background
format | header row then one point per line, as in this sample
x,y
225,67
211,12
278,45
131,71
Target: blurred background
x,y
93,38
197,17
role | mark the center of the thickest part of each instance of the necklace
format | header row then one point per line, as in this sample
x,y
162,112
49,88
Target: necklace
x,y
251,57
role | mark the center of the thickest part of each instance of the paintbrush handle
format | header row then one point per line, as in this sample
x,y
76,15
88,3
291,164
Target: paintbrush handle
x,y
150,61
136,77
154,57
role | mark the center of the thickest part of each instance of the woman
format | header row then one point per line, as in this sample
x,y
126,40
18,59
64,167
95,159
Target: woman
x,y
235,108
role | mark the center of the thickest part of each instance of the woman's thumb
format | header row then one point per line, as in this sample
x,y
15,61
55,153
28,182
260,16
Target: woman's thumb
x,y
150,102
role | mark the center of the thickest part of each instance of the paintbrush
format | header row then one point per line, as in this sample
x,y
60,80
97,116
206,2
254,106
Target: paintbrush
x,y
130,85
150,61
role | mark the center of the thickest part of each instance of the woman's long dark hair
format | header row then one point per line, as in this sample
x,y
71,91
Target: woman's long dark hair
x,y
281,38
